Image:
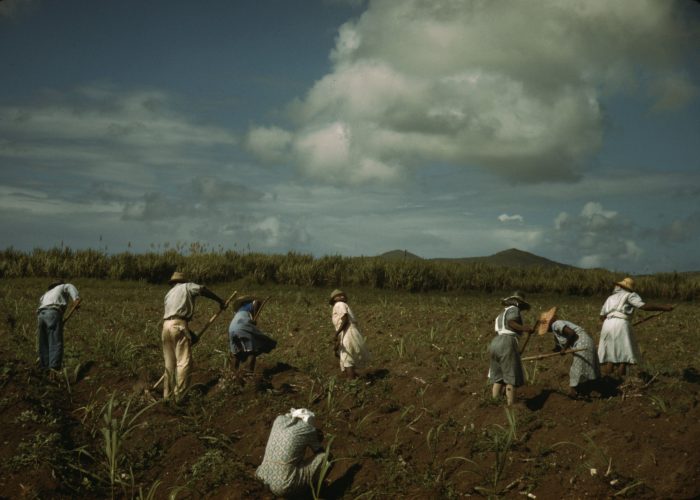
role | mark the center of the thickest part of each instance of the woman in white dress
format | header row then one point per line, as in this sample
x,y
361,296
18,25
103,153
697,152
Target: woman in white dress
x,y
350,346
617,347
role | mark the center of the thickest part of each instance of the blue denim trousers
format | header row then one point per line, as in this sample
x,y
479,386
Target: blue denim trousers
x,y
50,333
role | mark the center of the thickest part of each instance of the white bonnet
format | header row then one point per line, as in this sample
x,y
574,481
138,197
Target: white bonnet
x,y
302,413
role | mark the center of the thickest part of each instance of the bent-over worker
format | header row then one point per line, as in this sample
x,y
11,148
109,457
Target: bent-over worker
x,y
246,341
52,305
177,337
283,468
567,335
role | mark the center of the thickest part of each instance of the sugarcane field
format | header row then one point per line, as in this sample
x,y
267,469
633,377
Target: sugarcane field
x,y
349,249
423,416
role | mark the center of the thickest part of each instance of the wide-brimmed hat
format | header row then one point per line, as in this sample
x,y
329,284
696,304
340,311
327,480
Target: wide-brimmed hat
x,y
546,320
627,284
178,277
243,300
517,299
334,294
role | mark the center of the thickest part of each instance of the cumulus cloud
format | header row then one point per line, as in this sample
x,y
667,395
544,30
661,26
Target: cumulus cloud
x,y
514,87
269,232
510,218
269,144
596,237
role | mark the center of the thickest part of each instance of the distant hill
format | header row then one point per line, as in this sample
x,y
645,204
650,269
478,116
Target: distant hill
x,y
399,255
507,258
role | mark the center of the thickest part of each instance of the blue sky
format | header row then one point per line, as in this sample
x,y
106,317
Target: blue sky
x,y
448,128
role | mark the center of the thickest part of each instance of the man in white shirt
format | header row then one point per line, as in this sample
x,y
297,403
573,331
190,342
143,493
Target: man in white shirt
x,y
52,305
177,337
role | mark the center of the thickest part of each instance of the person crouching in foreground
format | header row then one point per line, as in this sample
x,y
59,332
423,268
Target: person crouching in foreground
x,y
618,347
283,468
52,305
506,366
350,345
567,335
177,337
246,341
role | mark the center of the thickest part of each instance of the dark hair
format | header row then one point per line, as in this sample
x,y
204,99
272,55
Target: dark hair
x,y
54,284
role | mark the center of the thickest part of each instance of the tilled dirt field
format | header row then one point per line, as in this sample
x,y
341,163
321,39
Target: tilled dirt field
x,y
419,423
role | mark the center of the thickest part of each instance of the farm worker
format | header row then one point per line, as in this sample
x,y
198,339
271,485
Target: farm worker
x,y
506,366
50,322
246,341
177,337
283,468
349,345
567,335
617,347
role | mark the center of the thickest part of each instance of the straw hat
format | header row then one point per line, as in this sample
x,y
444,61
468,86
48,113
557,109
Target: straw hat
x,y
627,284
178,277
243,300
334,294
517,299
546,320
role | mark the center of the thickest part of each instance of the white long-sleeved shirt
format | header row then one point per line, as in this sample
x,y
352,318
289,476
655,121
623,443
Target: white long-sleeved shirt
x,y
179,301
58,297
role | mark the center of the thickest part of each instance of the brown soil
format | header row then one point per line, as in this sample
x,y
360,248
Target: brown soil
x,y
413,426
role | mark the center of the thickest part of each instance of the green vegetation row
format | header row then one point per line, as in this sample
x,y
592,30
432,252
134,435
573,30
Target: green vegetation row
x,y
331,271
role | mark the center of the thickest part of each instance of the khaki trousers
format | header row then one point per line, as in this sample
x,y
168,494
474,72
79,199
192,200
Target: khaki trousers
x,y
177,352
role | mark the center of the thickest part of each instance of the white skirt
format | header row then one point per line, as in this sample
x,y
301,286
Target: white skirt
x,y
353,349
617,343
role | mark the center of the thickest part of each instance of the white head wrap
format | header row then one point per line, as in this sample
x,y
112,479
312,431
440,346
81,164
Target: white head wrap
x,y
302,413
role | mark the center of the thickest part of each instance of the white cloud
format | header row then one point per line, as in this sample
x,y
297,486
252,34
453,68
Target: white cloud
x,y
597,237
514,87
270,228
591,261
561,220
592,209
326,149
510,218
632,251
269,144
